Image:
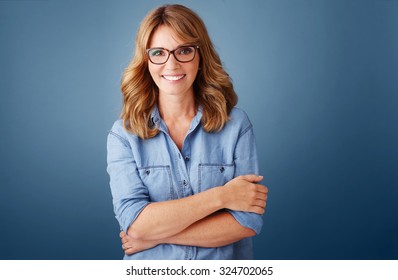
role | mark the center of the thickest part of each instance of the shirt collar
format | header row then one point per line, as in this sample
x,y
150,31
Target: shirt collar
x,y
157,120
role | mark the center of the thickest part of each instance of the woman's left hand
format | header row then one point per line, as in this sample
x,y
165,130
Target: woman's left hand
x,y
131,246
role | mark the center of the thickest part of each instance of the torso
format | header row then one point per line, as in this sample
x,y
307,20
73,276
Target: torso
x,y
207,160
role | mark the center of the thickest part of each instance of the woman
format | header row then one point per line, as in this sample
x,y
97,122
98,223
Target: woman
x,y
182,159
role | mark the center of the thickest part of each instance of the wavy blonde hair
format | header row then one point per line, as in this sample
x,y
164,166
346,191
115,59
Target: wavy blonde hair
x,y
213,87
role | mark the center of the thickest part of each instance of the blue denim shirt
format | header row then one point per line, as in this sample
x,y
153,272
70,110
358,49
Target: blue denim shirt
x,y
145,171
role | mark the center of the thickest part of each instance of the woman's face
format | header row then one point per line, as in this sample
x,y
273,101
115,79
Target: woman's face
x,y
172,77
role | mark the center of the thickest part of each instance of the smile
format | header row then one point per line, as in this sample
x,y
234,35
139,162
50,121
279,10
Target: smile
x,y
173,78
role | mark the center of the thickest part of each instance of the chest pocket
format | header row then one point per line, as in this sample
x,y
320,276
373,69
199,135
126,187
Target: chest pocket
x,y
213,175
158,180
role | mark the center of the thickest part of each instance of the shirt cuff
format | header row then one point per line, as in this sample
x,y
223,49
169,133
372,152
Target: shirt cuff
x,y
130,214
249,220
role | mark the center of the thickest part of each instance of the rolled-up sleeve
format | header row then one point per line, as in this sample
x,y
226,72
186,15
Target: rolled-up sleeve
x,y
130,196
246,162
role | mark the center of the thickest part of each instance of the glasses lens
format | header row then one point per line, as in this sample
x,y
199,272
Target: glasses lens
x,y
185,54
158,55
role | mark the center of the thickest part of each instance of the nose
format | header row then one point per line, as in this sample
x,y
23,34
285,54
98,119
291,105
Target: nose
x,y
172,62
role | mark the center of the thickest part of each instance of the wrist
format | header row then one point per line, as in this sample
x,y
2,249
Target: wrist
x,y
218,197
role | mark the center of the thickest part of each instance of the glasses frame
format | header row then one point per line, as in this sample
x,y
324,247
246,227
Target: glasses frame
x,y
172,52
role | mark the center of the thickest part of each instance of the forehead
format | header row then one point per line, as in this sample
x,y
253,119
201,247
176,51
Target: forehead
x,y
165,37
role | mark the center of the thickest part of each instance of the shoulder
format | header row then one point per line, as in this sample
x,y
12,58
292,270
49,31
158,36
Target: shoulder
x,y
239,114
119,131
239,118
118,128
238,123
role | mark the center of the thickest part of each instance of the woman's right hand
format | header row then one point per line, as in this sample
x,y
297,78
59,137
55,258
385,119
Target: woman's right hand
x,y
131,246
243,193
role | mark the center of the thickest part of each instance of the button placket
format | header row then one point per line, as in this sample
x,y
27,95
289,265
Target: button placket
x,y
183,162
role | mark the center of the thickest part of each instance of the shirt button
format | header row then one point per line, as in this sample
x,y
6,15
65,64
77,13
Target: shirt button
x,y
184,182
222,169
186,158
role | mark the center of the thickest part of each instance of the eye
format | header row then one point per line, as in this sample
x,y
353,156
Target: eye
x,y
185,51
157,52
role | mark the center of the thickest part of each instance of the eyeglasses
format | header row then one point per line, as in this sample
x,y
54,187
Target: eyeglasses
x,y
182,54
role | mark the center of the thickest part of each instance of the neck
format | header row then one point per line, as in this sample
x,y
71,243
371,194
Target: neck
x,y
174,107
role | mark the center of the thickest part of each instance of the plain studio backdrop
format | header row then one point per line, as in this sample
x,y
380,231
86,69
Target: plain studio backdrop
x,y
318,79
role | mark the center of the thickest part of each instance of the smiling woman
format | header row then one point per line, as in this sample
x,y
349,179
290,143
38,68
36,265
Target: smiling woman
x,y
182,159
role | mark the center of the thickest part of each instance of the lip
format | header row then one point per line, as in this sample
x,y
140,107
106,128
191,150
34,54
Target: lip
x,y
173,78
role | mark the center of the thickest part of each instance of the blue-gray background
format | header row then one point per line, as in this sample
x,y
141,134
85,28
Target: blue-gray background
x,y
318,79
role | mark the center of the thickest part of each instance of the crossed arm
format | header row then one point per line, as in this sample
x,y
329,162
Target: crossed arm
x,y
203,219
198,220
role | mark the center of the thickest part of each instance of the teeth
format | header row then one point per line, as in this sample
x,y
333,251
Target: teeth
x,y
173,78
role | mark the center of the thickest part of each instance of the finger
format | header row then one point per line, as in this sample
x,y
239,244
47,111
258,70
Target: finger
x,y
122,234
261,188
257,209
262,196
125,240
259,203
251,178
259,200
129,251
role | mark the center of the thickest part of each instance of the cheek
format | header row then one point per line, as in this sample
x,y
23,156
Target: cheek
x,y
193,67
151,70
197,66
195,70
